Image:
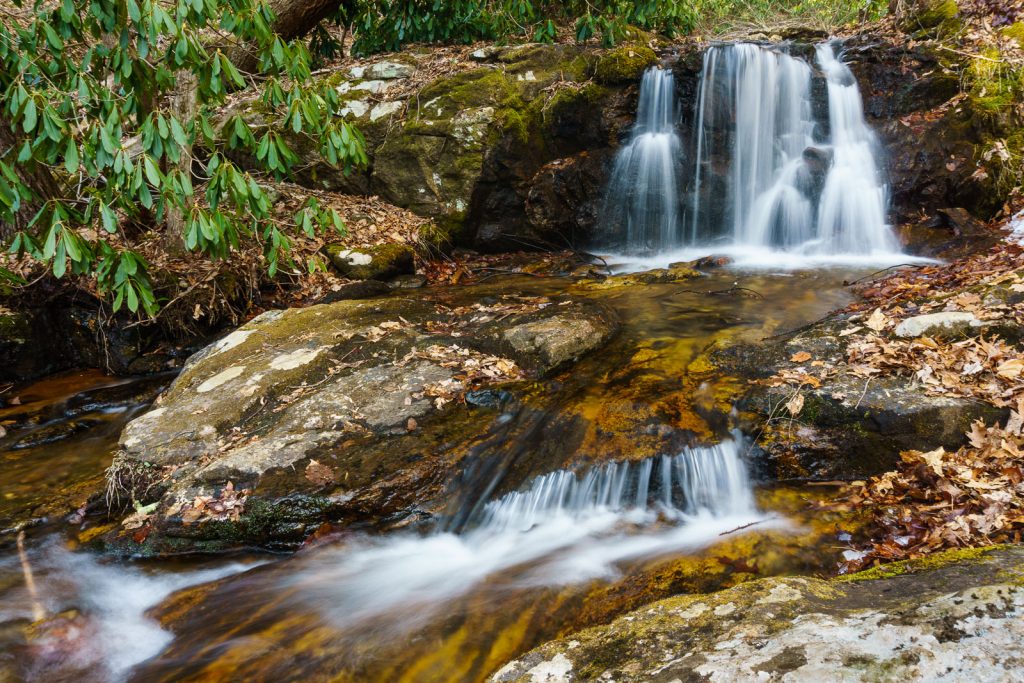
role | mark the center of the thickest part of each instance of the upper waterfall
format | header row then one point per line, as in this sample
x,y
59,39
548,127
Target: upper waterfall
x,y
642,206
775,167
793,182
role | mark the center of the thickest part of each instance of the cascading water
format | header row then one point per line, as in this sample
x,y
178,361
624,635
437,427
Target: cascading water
x,y
753,109
792,183
642,202
564,528
778,175
851,212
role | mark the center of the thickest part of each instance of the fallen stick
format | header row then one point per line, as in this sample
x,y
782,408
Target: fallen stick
x,y
741,528
38,613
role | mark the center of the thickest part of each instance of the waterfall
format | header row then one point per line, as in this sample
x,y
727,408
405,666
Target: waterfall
x,y
564,527
791,182
784,167
711,480
851,213
641,206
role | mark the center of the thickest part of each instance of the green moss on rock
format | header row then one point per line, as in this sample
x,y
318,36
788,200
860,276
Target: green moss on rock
x,y
929,562
371,263
1015,32
624,64
940,17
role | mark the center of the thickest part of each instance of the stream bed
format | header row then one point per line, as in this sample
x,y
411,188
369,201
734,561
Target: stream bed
x,y
580,511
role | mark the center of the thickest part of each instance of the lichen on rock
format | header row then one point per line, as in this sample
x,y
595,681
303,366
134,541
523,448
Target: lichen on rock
x,y
958,619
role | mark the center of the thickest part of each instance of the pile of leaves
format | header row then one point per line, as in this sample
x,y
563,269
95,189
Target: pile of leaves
x,y
939,500
474,369
225,504
939,280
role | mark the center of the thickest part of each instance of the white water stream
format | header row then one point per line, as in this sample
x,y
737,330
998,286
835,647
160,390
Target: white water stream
x,y
771,185
564,528
642,202
107,631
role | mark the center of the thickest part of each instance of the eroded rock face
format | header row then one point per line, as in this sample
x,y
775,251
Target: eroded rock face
x,y
466,148
958,622
331,412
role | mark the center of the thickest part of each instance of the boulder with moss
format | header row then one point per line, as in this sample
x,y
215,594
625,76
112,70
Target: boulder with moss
x,y
463,145
625,64
848,426
380,262
956,616
337,412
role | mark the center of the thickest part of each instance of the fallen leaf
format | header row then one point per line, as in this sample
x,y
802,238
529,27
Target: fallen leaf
x,y
319,474
795,404
1011,369
800,357
934,459
877,320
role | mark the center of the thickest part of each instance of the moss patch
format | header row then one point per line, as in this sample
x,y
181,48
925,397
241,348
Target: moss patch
x,y
938,17
930,562
624,64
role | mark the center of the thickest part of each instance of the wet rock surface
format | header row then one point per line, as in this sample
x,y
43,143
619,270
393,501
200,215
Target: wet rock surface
x,y
848,426
925,621
330,412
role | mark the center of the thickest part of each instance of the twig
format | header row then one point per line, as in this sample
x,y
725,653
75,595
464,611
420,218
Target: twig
x,y
38,613
744,526
877,272
862,393
972,56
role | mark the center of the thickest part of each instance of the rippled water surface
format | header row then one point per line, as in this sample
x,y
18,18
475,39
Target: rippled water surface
x,y
551,539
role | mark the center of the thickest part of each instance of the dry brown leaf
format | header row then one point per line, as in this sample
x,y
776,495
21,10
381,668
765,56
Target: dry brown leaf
x,y
800,357
877,320
795,404
319,474
1011,369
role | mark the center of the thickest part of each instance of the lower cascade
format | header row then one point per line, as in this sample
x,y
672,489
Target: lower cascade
x,y
563,528
769,171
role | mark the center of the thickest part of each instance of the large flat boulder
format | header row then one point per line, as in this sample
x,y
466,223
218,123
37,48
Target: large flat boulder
x,y
336,411
961,621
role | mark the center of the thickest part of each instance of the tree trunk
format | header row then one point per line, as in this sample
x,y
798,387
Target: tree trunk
x,y
294,19
183,106
36,177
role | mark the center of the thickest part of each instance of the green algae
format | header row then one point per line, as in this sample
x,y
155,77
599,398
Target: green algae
x,y
921,564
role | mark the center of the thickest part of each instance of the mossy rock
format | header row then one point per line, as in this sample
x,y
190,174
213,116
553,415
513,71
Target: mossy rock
x,y
955,617
371,263
1015,32
936,17
624,64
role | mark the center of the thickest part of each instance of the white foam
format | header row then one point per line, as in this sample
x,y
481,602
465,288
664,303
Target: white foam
x,y
747,257
565,528
113,598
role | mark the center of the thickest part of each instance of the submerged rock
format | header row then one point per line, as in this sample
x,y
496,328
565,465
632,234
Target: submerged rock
x,y
911,621
333,412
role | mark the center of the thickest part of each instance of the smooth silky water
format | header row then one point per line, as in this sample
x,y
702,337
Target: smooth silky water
x,y
595,491
616,483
